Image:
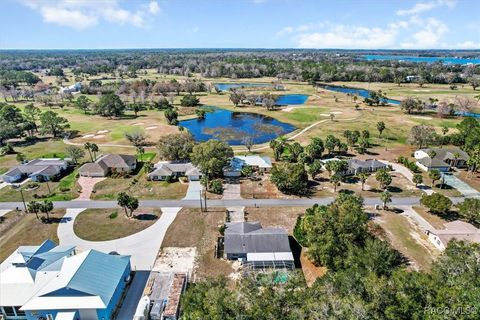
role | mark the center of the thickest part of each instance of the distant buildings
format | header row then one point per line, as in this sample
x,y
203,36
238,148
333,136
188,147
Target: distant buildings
x,y
164,170
441,159
355,166
51,282
110,163
258,247
453,230
37,170
71,89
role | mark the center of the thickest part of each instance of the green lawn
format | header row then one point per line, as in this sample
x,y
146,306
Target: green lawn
x,y
110,224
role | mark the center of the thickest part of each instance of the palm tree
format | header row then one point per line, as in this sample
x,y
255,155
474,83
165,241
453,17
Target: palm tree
x,y
122,201
417,179
456,156
34,206
363,176
278,146
335,180
386,197
434,175
88,147
46,207
94,148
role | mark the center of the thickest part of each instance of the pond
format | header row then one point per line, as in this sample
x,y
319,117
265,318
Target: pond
x,y
447,60
359,92
228,86
291,99
233,127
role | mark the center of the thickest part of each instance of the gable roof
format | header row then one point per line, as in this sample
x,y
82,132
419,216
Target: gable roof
x,y
46,167
247,237
366,164
447,153
168,168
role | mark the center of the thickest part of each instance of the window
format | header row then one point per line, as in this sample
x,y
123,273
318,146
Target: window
x,y
20,313
9,311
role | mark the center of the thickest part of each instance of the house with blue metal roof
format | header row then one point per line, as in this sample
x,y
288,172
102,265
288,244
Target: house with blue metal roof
x,y
51,282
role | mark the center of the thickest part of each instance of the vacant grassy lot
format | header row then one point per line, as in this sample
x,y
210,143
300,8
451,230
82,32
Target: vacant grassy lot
x,y
404,236
104,224
27,230
436,221
140,187
284,217
193,228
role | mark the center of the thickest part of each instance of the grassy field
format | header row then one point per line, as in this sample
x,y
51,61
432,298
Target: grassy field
x,y
193,228
104,224
27,230
404,236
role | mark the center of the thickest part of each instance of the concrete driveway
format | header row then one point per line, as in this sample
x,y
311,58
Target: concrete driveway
x,y
408,175
142,246
231,191
461,186
193,191
87,184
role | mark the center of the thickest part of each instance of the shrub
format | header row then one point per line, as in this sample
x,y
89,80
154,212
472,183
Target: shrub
x,y
113,215
189,101
216,186
298,233
409,164
64,189
437,203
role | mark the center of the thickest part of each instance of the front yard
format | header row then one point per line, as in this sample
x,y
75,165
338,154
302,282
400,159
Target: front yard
x,y
110,224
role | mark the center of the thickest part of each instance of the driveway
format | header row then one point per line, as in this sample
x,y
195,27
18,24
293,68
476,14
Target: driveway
x,y
409,212
231,191
461,186
134,293
87,184
4,212
142,246
408,175
193,191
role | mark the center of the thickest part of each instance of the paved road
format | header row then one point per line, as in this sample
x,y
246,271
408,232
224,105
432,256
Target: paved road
x,y
301,202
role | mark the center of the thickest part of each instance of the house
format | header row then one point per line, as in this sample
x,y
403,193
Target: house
x,y
441,159
51,282
172,307
164,170
257,247
37,170
356,166
71,89
258,163
453,230
110,163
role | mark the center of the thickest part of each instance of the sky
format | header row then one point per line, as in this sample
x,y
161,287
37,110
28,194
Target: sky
x,y
338,24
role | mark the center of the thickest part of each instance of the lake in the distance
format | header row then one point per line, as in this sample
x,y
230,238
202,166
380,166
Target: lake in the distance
x,y
291,99
233,127
448,60
355,91
228,86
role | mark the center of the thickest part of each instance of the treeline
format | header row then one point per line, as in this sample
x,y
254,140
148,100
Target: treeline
x,y
306,65
366,278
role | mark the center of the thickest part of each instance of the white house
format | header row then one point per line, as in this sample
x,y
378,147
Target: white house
x,y
441,159
37,170
71,89
258,163
453,230
164,170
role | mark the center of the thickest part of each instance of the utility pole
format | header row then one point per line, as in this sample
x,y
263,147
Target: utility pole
x,y
48,186
21,194
201,202
205,198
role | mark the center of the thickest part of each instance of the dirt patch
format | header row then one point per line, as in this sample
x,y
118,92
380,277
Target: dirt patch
x,y
176,260
99,136
151,128
193,228
88,136
102,131
261,189
284,217
310,271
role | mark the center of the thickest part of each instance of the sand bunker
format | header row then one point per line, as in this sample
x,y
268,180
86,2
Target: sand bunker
x,y
99,136
151,128
102,131
424,118
137,124
176,260
88,136
336,112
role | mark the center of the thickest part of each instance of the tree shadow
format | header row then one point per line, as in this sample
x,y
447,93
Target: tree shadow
x,y
146,217
394,189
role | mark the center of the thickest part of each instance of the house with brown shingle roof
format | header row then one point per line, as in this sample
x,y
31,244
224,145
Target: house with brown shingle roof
x,y
119,163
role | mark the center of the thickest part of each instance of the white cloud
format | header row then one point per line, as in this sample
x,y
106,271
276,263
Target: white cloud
x,y
466,45
68,18
82,14
428,37
342,37
420,7
153,7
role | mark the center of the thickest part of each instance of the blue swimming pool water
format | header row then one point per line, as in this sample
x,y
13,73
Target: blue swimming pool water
x,y
359,92
451,60
228,86
291,99
233,127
